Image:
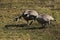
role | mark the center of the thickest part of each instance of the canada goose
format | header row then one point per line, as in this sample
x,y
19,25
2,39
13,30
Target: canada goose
x,y
28,15
45,19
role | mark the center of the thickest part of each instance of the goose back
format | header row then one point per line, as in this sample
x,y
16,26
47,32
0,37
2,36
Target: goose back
x,y
30,13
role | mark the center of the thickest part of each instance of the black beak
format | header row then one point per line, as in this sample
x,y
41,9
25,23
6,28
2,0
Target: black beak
x,y
16,19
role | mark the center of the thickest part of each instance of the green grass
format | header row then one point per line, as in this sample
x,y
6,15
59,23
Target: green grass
x,y
7,16
21,33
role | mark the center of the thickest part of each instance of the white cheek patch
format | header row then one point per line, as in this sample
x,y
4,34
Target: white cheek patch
x,y
27,16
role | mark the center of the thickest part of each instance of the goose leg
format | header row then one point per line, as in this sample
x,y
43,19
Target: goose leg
x,y
30,22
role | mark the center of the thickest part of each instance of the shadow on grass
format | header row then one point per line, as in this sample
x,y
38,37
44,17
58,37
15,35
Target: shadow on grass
x,y
23,26
33,28
16,25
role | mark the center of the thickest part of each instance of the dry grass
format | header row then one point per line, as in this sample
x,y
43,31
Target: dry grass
x,y
17,32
